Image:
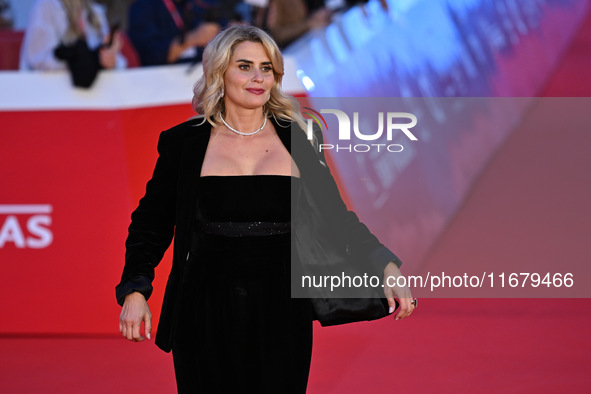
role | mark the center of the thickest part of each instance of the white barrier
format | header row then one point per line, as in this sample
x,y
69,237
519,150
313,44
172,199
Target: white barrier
x,y
121,89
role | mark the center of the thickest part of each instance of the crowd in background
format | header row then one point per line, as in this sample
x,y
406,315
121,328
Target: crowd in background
x,y
6,19
157,32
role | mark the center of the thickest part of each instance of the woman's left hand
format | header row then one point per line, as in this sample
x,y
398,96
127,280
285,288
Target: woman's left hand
x,y
393,291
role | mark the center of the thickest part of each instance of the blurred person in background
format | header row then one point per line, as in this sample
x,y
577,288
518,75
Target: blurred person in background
x,y
57,24
235,12
172,31
6,19
117,11
287,20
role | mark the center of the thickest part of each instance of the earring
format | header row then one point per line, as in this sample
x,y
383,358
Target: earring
x,y
222,93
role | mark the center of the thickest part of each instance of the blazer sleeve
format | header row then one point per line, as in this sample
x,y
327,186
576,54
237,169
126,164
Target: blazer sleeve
x,y
357,238
152,223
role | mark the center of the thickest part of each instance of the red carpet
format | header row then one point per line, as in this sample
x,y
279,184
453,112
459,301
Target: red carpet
x,y
461,346
83,365
448,346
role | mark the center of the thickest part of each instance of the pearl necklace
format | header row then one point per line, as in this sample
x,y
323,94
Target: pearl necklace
x,y
240,132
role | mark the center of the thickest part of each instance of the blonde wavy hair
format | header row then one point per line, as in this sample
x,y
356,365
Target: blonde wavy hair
x,y
73,9
208,99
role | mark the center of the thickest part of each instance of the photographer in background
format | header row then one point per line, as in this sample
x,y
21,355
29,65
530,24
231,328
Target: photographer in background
x,y
70,34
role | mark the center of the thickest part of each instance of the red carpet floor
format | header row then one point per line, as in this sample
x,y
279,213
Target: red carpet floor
x,y
449,345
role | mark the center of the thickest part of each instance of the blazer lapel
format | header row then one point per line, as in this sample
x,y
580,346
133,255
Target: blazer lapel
x,y
192,153
283,130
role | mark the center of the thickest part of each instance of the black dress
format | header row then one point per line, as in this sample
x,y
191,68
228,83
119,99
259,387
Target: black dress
x,y
239,328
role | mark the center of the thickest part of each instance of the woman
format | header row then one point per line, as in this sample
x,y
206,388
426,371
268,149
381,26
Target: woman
x,y
56,22
223,185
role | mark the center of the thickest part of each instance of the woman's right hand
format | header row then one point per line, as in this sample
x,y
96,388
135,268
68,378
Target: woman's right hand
x,y
198,37
202,34
135,311
108,54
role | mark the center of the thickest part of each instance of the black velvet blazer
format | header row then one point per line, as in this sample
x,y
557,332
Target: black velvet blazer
x,y
169,207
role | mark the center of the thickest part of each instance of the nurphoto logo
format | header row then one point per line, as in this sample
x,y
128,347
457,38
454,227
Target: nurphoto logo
x,y
393,123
